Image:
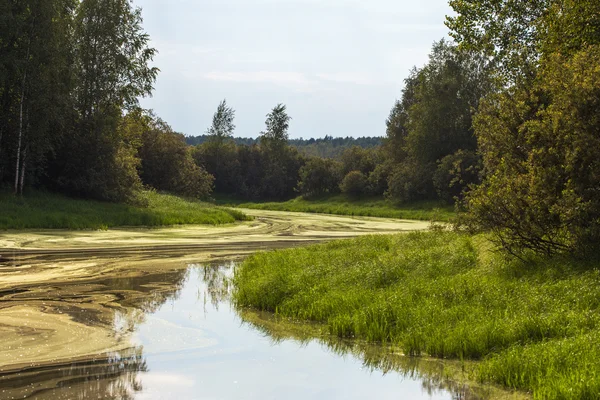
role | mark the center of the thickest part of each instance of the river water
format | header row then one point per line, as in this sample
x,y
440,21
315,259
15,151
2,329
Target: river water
x,y
153,324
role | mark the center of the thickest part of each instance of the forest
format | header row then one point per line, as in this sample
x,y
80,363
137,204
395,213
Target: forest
x,y
502,121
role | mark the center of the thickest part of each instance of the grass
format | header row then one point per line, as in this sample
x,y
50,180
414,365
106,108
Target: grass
x,y
344,205
533,326
40,210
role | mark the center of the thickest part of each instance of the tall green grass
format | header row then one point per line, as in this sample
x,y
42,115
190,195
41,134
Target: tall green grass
x,y
344,205
535,326
40,210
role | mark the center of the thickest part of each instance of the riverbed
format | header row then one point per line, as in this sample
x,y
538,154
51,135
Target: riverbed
x,y
146,314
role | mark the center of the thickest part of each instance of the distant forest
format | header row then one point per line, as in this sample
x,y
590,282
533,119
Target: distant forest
x,y
327,147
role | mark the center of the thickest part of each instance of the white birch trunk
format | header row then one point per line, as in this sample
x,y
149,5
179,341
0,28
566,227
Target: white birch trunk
x,y
20,134
23,167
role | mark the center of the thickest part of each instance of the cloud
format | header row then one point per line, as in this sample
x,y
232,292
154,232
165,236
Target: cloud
x,y
294,80
347,77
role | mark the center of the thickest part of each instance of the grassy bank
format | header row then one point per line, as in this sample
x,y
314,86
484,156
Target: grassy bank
x,y
534,326
39,210
343,205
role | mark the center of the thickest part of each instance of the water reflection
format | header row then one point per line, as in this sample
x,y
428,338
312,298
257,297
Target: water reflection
x,y
435,376
184,339
113,376
115,306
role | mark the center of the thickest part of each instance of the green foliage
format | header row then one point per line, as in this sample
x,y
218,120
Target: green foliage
x,y
319,176
39,210
327,147
534,325
111,71
277,124
455,174
433,120
34,84
221,161
517,34
100,161
167,163
222,125
508,32
368,207
409,182
358,159
112,56
379,177
541,150
354,184
255,172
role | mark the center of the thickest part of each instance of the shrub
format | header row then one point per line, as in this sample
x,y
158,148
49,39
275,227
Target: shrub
x,y
354,183
455,173
540,150
319,176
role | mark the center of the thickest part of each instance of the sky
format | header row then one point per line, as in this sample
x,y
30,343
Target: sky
x,y
338,65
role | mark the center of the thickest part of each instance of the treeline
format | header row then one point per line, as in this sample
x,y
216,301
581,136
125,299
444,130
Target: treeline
x,y
275,170
71,74
430,151
327,147
504,121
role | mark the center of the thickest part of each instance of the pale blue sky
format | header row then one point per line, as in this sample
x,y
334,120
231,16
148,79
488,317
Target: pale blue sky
x,y
337,64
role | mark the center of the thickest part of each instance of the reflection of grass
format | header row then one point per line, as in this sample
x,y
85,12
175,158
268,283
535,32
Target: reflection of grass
x,y
44,210
435,374
535,326
343,205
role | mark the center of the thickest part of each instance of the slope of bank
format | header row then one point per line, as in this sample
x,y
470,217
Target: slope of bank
x,y
40,210
344,205
535,326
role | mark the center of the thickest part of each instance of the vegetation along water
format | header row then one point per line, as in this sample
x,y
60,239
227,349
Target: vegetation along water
x,y
495,139
533,325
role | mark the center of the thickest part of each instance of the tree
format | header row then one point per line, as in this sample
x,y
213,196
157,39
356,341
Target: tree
x,y
166,160
540,150
34,83
277,125
358,159
538,133
112,72
319,176
506,31
218,153
222,125
455,174
280,162
354,184
222,162
516,34
434,119
397,122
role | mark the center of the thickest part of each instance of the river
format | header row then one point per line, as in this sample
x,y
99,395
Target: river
x,y
146,314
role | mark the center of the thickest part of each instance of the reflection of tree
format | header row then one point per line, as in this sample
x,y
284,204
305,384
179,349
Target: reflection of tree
x,y
435,375
113,376
117,304
216,279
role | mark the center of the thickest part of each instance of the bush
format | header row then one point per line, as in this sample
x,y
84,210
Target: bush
x,y
354,183
410,182
455,173
319,176
99,159
540,150
378,179
167,164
